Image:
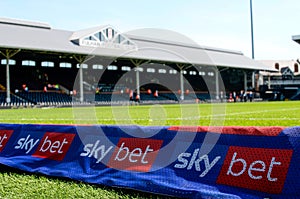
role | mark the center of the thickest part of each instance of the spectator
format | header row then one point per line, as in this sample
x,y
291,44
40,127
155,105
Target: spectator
x,y
250,96
137,98
245,97
130,95
222,96
234,96
156,93
275,96
97,90
241,95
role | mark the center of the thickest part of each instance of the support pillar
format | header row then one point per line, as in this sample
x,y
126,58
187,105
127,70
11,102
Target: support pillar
x,y
8,100
137,74
269,81
245,81
80,60
137,64
8,54
217,83
253,80
81,82
181,67
181,85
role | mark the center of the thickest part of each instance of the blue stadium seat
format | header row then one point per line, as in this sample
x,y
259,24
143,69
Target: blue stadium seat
x,y
46,97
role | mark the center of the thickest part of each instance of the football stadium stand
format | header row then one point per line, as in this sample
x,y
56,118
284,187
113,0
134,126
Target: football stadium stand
x,y
283,84
45,66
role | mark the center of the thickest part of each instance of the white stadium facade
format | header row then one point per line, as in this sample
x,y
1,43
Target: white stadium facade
x,y
41,65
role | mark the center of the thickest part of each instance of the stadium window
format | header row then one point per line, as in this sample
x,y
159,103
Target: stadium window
x,y
139,69
125,68
120,39
201,73
65,65
47,64
97,35
102,38
162,71
173,72
83,65
97,66
90,38
296,68
150,70
28,63
10,62
193,73
112,67
210,74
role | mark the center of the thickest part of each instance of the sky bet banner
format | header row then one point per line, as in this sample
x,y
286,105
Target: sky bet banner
x,y
189,162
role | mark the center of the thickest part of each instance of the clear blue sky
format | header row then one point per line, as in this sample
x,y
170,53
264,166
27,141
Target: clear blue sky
x,y
216,23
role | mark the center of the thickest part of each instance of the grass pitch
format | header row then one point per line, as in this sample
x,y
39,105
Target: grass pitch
x,y
16,184
230,114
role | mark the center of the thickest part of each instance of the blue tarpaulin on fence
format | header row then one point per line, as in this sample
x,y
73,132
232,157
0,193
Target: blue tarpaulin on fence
x,y
193,162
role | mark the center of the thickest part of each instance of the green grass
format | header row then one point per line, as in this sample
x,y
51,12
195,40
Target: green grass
x,y
16,184
230,114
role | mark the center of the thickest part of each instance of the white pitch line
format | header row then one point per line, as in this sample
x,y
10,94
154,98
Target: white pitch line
x,y
264,119
252,112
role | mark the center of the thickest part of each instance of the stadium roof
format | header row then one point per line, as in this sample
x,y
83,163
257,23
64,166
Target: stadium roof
x,y
106,41
296,38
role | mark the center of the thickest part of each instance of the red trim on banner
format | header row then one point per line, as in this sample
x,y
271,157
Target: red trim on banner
x,y
233,130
